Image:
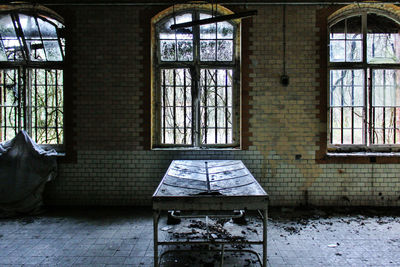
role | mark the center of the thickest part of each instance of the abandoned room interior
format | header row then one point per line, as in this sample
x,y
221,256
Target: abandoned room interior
x,y
199,133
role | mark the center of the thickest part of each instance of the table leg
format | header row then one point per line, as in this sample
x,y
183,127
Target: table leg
x,y
265,219
222,255
156,216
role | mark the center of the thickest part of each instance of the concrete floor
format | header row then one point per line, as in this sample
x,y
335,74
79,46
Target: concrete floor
x,y
123,237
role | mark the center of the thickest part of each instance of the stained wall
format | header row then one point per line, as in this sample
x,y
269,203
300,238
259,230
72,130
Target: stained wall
x,y
109,158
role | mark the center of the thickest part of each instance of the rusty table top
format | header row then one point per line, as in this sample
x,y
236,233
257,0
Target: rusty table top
x,y
209,185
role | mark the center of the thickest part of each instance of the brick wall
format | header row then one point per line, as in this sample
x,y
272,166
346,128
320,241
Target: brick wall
x,y
110,104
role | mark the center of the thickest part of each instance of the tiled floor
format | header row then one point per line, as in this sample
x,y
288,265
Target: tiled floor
x,y
123,237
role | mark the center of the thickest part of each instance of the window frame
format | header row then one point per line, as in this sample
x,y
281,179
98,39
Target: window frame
x,y
195,65
25,66
367,69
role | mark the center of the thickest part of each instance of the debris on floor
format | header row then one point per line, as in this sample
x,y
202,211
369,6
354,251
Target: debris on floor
x,y
118,236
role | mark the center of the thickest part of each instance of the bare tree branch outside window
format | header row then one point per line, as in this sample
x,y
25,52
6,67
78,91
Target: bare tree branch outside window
x,y
364,106
31,88
197,70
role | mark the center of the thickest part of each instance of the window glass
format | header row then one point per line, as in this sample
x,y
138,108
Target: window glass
x,y
29,27
47,106
10,95
385,106
10,42
196,88
216,40
346,40
31,94
176,106
216,106
38,41
364,99
346,106
382,40
47,30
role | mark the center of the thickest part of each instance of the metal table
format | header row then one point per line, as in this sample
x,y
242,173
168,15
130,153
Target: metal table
x,y
209,186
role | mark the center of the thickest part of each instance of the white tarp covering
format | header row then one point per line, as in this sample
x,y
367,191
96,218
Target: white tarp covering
x,y
24,170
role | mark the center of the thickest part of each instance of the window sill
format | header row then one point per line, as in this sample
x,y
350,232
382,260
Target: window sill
x,y
196,149
360,158
363,154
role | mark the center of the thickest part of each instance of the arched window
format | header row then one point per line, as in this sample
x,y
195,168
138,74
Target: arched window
x,y
31,74
364,80
196,82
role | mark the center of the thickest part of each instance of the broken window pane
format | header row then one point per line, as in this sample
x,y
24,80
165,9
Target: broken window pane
x,y
53,52
7,27
29,27
36,50
13,49
30,45
47,29
40,110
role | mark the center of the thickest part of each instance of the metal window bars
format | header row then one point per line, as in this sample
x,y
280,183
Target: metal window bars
x,y
31,63
9,104
216,106
36,107
363,109
196,65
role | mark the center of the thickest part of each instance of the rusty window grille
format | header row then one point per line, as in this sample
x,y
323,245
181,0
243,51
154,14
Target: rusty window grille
x,y
364,82
31,77
198,83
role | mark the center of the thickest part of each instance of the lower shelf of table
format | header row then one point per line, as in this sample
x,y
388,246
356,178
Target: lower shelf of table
x,y
199,256
211,230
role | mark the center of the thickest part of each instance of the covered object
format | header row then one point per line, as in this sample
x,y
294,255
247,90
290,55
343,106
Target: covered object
x,y
24,170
